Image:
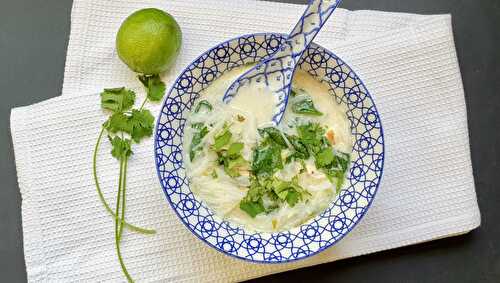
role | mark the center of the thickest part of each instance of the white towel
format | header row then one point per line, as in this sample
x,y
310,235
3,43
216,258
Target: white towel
x,y
408,63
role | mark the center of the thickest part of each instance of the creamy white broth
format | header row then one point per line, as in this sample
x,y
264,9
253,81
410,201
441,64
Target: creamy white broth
x,y
223,193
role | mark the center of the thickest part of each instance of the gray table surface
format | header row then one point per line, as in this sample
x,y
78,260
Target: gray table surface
x,y
33,40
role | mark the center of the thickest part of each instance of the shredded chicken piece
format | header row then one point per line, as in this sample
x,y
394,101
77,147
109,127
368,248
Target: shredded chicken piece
x,y
330,136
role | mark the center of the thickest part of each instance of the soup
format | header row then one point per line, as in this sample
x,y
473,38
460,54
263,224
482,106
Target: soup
x,y
260,177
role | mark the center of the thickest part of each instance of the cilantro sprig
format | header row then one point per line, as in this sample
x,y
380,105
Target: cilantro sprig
x,y
310,141
124,127
229,153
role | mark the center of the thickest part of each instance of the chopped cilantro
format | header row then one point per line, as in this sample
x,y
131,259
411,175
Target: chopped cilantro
x,y
273,135
305,106
324,158
334,165
252,208
198,136
203,105
276,190
299,150
214,174
292,197
222,139
312,136
235,149
266,160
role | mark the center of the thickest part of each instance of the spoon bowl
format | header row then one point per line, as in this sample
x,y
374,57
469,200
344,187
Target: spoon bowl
x,y
273,75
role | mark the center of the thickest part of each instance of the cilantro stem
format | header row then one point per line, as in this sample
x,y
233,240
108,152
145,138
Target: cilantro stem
x,y
119,220
143,103
123,184
101,195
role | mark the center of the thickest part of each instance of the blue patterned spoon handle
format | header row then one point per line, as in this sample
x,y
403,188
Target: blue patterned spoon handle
x,y
276,72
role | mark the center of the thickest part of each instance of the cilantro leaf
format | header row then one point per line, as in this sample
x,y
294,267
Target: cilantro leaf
x,y
204,104
266,160
235,149
154,86
252,208
305,106
222,139
293,197
232,159
117,99
232,166
299,150
141,122
277,191
273,135
334,165
312,136
120,147
197,138
118,122
324,158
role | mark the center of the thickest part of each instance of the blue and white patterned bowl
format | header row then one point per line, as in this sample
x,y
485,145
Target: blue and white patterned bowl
x,y
317,234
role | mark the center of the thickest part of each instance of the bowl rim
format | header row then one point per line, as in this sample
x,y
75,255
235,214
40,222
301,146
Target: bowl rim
x,y
320,249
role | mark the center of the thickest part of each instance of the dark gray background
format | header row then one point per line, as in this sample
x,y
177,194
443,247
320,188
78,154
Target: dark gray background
x,y
33,40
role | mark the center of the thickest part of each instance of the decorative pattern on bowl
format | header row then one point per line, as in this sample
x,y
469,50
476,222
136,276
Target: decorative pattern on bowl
x,y
317,234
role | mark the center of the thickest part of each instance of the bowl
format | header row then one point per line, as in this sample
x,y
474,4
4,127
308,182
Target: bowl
x,y
319,233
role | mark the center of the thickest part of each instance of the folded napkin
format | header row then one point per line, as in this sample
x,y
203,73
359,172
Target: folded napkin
x,y
408,63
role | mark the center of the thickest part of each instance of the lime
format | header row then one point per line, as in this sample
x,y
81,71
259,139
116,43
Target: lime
x,y
149,41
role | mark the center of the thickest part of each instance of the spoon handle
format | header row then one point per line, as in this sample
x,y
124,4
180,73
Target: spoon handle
x,y
309,25
276,72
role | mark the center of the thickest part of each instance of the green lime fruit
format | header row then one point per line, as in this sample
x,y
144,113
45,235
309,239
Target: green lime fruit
x,y
149,41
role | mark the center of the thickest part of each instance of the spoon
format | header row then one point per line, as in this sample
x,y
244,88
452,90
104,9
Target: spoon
x,y
275,73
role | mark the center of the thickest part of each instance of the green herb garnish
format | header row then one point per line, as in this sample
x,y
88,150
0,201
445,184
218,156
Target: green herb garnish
x,y
252,208
198,136
203,105
136,124
117,99
333,164
222,139
266,160
305,106
273,135
154,86
232,160
276,190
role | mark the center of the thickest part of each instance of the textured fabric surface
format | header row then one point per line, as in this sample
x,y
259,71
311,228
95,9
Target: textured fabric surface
x,y
408,63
